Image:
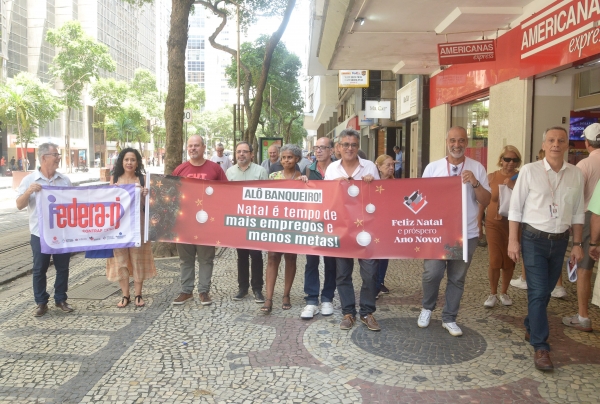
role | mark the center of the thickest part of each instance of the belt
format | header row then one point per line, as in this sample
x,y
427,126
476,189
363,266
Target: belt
x,y
543,234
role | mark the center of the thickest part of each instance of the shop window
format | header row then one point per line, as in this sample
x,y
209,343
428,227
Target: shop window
x,y
589,82
474,117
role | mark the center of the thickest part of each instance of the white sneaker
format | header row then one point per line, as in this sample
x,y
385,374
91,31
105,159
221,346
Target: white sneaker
x,y
519,283
504,299
559,292
424,318
309,312
326,308
490,302
453,329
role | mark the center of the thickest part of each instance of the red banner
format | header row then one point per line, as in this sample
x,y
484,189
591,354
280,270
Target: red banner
x,y
409,218
466,52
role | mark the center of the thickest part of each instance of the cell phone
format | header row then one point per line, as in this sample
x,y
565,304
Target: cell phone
x,y
514,177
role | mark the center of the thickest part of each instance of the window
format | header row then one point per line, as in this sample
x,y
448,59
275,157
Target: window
x,y
589,82
474,117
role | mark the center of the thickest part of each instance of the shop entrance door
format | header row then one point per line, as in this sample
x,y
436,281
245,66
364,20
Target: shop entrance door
x,y
414,148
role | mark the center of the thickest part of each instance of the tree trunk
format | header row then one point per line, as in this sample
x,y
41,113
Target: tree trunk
x,y
174,104
68,141
264,74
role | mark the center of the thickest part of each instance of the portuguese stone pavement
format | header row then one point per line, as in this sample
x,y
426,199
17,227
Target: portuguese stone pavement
x,y
229,352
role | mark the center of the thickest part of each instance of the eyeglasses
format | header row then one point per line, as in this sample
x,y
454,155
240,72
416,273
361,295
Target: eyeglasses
x,y
350,145
242,151
56,155
321,148
454,171
508,159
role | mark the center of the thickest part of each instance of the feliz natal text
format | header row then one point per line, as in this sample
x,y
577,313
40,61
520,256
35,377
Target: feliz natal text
x,y
282,195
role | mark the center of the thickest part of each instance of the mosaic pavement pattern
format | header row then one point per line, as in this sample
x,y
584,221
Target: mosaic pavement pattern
x,y
229,352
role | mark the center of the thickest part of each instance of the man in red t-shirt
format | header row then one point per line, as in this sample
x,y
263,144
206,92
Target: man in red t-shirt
x,y
197,167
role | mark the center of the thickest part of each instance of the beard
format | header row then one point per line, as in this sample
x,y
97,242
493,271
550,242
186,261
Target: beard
x,y
456,152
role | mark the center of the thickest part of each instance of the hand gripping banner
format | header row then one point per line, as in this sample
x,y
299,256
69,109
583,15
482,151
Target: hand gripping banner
x,y
409,218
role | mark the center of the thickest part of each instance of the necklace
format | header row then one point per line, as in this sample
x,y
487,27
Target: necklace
x,y
293,176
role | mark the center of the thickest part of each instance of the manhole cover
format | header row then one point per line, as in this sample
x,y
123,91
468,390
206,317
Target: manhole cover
x,y
401,340
96,288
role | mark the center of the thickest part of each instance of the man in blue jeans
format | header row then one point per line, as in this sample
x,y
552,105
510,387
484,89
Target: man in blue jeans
x,y
46,175
316,171
352,167
548,200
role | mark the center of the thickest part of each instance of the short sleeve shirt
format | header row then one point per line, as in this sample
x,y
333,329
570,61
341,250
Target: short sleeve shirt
x,y
252,172
207,171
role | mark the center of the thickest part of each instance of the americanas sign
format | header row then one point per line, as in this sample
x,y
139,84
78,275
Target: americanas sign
x,y
562,33
466,52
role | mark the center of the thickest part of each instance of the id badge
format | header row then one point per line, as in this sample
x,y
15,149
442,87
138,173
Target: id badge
x,y
554,211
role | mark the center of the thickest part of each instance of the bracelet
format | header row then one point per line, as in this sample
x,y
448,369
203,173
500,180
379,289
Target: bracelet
x,y
580,244
593,244
475,186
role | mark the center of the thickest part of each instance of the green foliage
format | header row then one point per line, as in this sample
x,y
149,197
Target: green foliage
x,y
109,95
215,125
195,97
79,58
128,125
27,103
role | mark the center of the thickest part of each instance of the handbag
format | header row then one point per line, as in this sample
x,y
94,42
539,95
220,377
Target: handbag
x,y
504,194
108,253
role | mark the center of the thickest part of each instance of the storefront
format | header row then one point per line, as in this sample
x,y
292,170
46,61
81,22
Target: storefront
x,y
546,73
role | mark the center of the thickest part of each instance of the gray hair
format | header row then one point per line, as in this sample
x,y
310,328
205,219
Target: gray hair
x,y
198,136
220,145
296,151
455,127
554,128
349,133
45,149
594,143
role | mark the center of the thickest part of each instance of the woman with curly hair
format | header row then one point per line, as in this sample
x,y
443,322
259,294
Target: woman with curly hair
x,y
136,262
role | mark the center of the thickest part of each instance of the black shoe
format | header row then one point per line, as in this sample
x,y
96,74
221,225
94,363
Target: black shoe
x,y
258,296
241,294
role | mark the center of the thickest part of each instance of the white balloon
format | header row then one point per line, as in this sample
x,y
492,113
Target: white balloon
x,y
370,208
201,216
209,190
353,190
363,238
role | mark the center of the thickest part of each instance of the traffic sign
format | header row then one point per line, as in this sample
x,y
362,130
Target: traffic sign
x,y
187,115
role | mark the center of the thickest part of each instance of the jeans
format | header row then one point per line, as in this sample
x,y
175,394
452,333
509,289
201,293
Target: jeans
x,y
543,260
41,262
312,282
398,173
457,273
187,266
244,269
381,271
368,291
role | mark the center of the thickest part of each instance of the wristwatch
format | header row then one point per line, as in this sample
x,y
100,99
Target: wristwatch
x,y
475,186
580,244
593,244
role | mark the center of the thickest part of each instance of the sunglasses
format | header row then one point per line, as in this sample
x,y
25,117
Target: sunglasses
x,y
508,159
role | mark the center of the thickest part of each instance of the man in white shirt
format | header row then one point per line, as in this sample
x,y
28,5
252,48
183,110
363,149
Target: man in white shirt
x,y
49,159
220,159
352,167
548,200
478,192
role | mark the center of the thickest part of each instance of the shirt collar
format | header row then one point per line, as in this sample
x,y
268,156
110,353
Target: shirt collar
x,y
38,174
547,165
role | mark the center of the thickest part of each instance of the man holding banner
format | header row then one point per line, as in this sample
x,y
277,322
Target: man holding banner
x,y
46,175
478,192
351,167
200,168
246,170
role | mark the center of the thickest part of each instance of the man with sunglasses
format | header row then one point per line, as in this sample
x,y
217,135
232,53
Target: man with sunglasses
x,y
547,203
316,171
478,192
246,170
49,159
352,167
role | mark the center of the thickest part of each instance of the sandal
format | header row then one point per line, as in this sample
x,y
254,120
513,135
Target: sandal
x,y
286,306
125,300
267,309
138,299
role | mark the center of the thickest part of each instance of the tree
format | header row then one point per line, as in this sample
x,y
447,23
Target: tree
x,y
215,125
159,135
79,59
128,125
27,103
195,97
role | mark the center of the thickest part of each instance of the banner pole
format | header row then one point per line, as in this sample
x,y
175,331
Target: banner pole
x,y
464,223
147,208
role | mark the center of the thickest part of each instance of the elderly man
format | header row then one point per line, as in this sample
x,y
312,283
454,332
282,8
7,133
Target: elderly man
x,y
246,170
590,168
221,159
49,159
273,151
196,167
316,171
478,192
351,167
548,200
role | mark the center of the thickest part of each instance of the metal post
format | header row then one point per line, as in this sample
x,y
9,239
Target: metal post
x,y
234,131
238,57
184,139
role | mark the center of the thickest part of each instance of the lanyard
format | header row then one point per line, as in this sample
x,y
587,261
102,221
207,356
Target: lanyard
x,y
462,166
550,185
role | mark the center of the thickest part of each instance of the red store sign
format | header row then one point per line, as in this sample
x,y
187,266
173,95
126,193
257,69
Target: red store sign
x,y
562,33
466,52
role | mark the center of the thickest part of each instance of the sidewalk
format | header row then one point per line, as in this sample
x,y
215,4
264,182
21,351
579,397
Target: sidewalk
x,y
230,352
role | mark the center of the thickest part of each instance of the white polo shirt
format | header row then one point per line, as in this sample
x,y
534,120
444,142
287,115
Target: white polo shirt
x,y
441,168
58,180
365,167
